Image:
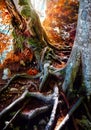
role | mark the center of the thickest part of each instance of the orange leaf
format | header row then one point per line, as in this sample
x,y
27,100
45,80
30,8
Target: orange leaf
x,y
32,71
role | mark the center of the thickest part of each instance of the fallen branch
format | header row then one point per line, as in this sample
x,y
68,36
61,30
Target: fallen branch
x,y
75,106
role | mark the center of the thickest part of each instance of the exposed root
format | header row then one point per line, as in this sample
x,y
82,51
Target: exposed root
x,y
30,115
47,99
58,72
75,106
53,113
23,75
72,68
45,76
12,105
48,72
13,118
44,53
7,85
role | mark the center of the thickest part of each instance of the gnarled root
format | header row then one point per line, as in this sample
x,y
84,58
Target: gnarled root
x,y
49,99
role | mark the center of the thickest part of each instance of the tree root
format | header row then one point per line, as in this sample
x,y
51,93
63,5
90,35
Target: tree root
x,y
80,57
58,72
50,100
75,106
9,123
45,76
7,85
23,75
47,99
72,68
50,71
53,113
37,111
13,104
13,118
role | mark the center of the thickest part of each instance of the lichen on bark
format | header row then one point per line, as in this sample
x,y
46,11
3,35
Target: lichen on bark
x,y
81,52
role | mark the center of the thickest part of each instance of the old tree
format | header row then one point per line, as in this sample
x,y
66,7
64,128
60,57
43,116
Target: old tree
x,y
56,87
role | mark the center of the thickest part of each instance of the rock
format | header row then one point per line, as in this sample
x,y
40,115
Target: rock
x,y
6,73
22,63
13,89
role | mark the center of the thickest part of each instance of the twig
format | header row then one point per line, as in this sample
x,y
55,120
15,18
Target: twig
x,y
75,106
53,113
65,99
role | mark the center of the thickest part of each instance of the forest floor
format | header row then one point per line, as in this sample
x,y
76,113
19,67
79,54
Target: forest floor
x,y
27,77
15,88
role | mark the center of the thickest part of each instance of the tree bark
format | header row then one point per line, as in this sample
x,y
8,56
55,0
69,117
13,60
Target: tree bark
x,y
26,23
81,52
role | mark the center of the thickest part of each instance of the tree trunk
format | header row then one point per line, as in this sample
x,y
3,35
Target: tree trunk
x,y
26,23
27,28
81,52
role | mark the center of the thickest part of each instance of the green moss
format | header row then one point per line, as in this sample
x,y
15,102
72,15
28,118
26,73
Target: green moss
x,y
14,34
18,41
26,12
23,2
36,44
